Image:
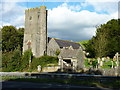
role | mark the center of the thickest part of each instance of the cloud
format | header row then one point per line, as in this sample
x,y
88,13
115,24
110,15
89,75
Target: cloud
x,y
71,25
71,7
108,6
67,22
12,13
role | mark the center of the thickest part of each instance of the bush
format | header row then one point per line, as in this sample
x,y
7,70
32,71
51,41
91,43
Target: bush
x,y
25,60
91,62
11,61
43,61
14,61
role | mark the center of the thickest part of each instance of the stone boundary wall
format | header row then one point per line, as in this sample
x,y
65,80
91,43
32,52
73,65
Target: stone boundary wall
x,y
111,72
106,72
50,69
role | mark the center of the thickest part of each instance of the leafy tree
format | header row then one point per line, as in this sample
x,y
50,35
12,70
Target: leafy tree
x,y
11,60
26,59
11,38
107,40
90,48
20,37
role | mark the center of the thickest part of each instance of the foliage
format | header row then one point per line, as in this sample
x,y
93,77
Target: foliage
x,y
11,38
20,37
107,40
14,61
83,43
0,40
43,61
90,48
26,59
91,62
57,52
11,61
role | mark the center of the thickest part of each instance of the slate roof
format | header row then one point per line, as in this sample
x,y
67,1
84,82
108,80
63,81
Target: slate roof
x,y
69,53
66,43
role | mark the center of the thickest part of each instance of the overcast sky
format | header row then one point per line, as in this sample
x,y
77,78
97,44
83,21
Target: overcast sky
x,y
74,20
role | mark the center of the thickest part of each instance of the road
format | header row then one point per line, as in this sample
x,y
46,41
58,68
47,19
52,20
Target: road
x,y
15,85
30,85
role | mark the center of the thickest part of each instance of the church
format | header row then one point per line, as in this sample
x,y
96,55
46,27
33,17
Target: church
x,y
70,54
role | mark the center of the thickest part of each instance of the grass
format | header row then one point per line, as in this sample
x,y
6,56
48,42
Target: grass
x,y
94,62
95,83
83,42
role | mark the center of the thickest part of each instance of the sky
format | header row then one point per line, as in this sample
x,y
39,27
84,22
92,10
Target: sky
x,y
74,20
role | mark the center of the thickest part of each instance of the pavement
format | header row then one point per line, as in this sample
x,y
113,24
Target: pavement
x,y
15,85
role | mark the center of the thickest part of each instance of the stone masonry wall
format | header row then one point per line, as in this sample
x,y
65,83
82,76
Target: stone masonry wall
x,y
35,35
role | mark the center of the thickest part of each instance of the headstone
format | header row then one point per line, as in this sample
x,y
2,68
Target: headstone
x,y
117,63
112,63
114,58
98,60
39,68
103,59
117,57
101,63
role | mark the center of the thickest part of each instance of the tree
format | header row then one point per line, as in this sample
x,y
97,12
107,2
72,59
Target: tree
x,y
11,38
20,37
107,40
90,48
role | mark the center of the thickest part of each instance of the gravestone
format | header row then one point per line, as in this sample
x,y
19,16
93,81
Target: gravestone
x,y
101,63
39,68
112,64
117,59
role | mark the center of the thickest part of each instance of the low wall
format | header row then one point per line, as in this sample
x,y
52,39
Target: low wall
x,y
106,72
50,69
111,72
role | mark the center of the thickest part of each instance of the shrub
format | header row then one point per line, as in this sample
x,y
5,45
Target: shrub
x,y
26,59
43,61
11,61
14,61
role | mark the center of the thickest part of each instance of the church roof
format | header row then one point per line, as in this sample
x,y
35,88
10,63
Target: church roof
x,y
66,43
69,53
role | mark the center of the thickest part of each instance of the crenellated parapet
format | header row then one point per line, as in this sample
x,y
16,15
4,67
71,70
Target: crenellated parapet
x,y
36,8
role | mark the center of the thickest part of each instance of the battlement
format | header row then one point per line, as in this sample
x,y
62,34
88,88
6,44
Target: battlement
x,y
36,8
42,6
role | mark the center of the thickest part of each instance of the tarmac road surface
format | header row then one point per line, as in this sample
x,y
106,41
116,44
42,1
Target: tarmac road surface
x,y
15,85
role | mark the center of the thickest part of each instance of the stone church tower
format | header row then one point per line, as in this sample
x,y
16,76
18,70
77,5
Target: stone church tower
x,y
35,34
